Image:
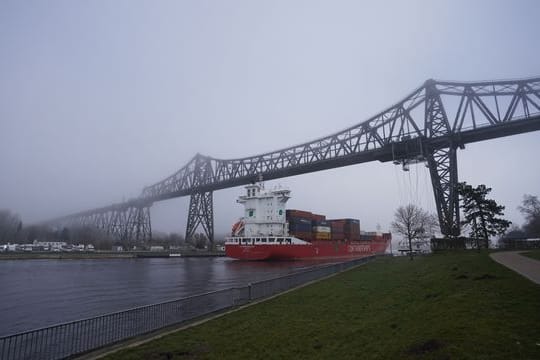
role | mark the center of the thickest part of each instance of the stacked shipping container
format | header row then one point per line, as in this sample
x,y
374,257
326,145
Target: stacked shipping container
x,y
338,229
345,229
300,224
308,226
321,230
352,229
373,235
318,218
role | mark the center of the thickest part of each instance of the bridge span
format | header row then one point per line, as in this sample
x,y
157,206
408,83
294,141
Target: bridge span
x,y
430,124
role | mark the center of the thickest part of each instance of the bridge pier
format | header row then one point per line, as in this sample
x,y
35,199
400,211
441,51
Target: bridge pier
x,y
201,212
141,227
442,162
129,225
442,165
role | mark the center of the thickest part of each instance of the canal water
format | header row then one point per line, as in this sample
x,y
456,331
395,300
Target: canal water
x,y
40,293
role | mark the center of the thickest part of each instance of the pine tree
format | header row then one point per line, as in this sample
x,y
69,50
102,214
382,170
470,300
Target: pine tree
x,y
481,214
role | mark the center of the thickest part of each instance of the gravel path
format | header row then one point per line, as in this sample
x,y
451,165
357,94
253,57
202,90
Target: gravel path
x,y
530,268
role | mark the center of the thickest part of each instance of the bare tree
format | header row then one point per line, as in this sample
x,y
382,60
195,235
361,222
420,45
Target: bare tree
x,y
413,223
530,208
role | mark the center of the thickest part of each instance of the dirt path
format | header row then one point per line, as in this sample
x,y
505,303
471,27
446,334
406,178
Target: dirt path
x,y
530,268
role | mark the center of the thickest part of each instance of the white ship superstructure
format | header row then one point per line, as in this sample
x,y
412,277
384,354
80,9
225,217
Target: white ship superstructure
x,y
264,211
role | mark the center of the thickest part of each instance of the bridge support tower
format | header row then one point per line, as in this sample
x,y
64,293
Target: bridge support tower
x,y
442,162
442,165
201,212
130,223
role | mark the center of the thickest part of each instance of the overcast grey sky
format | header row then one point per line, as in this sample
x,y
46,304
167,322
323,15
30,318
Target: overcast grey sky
x,y
100,98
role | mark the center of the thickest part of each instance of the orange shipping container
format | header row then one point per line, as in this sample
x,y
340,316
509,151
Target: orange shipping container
x,y
316,217
298,214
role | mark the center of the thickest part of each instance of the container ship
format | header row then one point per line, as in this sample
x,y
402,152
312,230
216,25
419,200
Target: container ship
x,y
268,231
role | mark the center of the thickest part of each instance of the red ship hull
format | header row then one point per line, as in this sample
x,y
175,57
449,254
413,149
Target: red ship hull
x,y
324,249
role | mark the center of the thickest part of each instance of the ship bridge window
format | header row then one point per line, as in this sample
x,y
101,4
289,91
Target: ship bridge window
x,y
263,240
271,240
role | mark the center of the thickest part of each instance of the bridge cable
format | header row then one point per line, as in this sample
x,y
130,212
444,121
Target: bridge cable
x,y
428,191
399,186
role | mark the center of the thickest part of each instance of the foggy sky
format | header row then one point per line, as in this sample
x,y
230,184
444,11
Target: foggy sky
x,y
101,98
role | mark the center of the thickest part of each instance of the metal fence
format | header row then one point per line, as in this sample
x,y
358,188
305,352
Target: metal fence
x,y
81,336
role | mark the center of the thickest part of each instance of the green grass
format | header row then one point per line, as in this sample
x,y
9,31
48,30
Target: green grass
x,y
534,254
445,306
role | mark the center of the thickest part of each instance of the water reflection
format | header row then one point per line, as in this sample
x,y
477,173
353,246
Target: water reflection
x,y
37,293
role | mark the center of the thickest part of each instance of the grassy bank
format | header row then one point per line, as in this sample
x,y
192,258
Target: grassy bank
x,y
445,306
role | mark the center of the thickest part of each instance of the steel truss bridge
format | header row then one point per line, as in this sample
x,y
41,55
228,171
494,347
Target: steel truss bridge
x,y
430,124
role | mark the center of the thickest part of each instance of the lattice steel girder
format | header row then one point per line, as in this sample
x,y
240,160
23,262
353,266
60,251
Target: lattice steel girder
x,y
143,225
201,212
444,179
438,111
437,114
436,121
130,224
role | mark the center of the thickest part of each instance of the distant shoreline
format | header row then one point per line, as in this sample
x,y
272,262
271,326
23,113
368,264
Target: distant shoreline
x,y
106,255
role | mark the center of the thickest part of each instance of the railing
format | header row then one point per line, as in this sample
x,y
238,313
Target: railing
x,y
81,336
